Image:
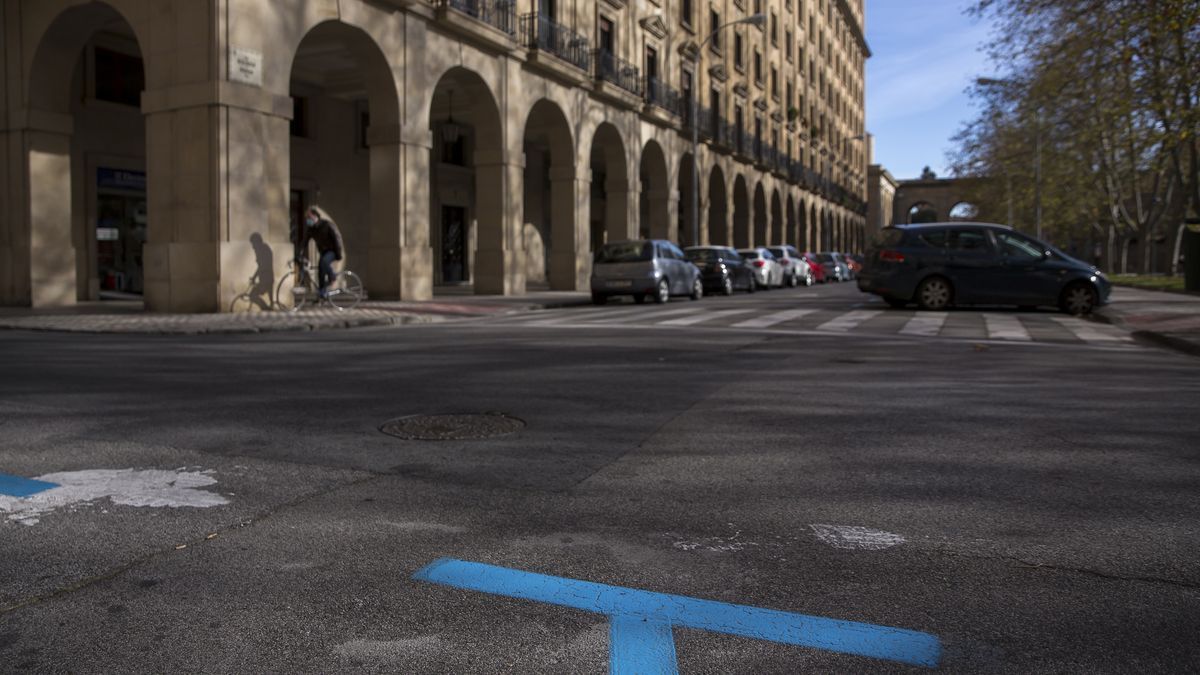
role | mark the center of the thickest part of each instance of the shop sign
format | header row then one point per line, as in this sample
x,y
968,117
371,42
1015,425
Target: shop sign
x,y
108,233
121,179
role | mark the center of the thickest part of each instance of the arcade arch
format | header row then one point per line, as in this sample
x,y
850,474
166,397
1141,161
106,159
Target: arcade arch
x,y
922,212
741,213
762,225
654,197
551,237
778,231
609,203
718,209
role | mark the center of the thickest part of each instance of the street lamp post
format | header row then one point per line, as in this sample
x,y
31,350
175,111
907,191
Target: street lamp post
x,y
755,20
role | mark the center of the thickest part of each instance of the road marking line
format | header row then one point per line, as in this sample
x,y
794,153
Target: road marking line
x,y
642,621
1005,327
850,320
773,319
1088,332
707,316
585,315
651,314
16,486
927,324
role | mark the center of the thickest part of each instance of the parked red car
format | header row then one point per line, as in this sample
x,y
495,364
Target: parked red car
x,y
815,266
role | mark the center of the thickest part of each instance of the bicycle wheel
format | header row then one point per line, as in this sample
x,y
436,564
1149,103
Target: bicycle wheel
x,y
346,290
290,297
241,304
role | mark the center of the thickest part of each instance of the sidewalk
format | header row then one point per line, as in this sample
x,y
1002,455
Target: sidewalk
x,y
1167,319
125,316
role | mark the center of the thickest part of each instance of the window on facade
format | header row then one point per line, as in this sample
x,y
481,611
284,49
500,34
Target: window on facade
x,y
737,52
758,72
547,9
685,12
119,77
606,35
651,64
774,30
714,22
787,44
774,83
454,151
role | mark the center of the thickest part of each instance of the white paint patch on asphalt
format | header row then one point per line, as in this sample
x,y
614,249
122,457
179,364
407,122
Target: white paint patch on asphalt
x,y
153,488
730,544
417,526
391,652
856,538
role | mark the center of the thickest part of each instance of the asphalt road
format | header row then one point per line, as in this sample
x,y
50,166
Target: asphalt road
x,y
1032,502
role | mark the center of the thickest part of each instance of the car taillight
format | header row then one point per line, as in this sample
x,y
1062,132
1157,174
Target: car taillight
x,y
891,256
759,263
785,262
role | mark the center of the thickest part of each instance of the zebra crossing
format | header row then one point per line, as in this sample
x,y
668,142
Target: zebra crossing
x,y
997,326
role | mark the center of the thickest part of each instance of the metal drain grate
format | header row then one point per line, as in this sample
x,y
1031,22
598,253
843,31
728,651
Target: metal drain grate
x,y
452,427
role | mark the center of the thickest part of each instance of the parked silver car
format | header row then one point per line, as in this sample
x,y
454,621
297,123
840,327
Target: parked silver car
x,y
643,268
768,273
795,268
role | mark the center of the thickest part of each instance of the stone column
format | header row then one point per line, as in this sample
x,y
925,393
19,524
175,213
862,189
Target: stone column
x,y
570,245
500,252
399,257
39,253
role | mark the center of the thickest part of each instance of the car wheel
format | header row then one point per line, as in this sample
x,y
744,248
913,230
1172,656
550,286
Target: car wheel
x,y
934,294
752,286
599,299
809,280
1079,299
727,285
697,290
663,294
895,303
793,281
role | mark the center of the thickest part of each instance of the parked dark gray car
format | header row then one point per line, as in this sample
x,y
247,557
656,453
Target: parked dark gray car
x,y
721,268
941,264
643,268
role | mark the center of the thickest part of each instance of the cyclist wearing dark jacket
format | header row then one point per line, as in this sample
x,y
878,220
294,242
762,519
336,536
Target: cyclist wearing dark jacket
x,y
320,229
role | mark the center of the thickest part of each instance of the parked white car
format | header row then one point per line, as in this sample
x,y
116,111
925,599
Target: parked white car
x,y
796,271
768,273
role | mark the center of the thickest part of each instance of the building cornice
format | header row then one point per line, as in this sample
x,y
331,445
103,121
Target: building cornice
x,y
855,29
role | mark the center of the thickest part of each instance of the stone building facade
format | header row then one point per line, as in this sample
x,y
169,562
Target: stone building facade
x,y
167,147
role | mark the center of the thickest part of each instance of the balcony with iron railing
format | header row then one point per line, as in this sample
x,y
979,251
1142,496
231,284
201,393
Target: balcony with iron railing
x,y
491,22
617,71
543,34
663,96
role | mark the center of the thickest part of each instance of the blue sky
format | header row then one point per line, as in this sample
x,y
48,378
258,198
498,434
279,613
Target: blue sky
x,y
925,53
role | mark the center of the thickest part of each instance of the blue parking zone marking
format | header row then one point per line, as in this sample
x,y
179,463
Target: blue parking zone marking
x,y
16,486
641,622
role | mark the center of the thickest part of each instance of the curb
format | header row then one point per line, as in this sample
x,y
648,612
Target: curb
x,y
248,329
1150,337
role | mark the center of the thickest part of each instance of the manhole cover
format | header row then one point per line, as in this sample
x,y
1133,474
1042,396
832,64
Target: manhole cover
x,y
452,427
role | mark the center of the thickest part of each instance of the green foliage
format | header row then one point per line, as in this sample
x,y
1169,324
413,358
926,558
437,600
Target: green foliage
x,y
1096,117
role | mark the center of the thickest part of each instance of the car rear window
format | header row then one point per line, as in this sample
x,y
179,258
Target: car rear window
x,y
704,255
629,251
748,254
824,257
777,252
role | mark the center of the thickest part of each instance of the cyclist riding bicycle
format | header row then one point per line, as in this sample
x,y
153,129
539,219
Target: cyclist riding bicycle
x,y
320,228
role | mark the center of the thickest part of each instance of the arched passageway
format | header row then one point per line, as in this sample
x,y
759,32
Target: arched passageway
x,y
778,229
922,212
655,194
467,184
762,223
741,213
793,227
79,156
341,87
689,225
718,209
609,211
554,246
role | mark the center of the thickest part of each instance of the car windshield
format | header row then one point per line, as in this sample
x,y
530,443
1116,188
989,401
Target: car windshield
x,y
703,255
629,251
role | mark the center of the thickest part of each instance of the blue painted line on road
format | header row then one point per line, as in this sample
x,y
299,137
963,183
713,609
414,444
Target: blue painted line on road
x,y
652,643
16,486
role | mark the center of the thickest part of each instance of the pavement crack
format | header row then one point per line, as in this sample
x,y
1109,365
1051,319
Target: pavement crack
x,y
1075,570
176,547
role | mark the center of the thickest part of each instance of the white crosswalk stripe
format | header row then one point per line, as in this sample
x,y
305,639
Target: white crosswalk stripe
x,y
927,324
849,320
1006,327
608,319
774,318
704,316
1089,332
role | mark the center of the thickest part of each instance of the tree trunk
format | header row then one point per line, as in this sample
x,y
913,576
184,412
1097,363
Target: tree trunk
x,y
1175,266
1111,257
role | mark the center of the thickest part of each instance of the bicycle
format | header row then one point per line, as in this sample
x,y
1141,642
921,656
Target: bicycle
x,y
298,288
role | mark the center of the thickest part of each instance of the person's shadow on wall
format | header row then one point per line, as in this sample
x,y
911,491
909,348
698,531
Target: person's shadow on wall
x,y
262,284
